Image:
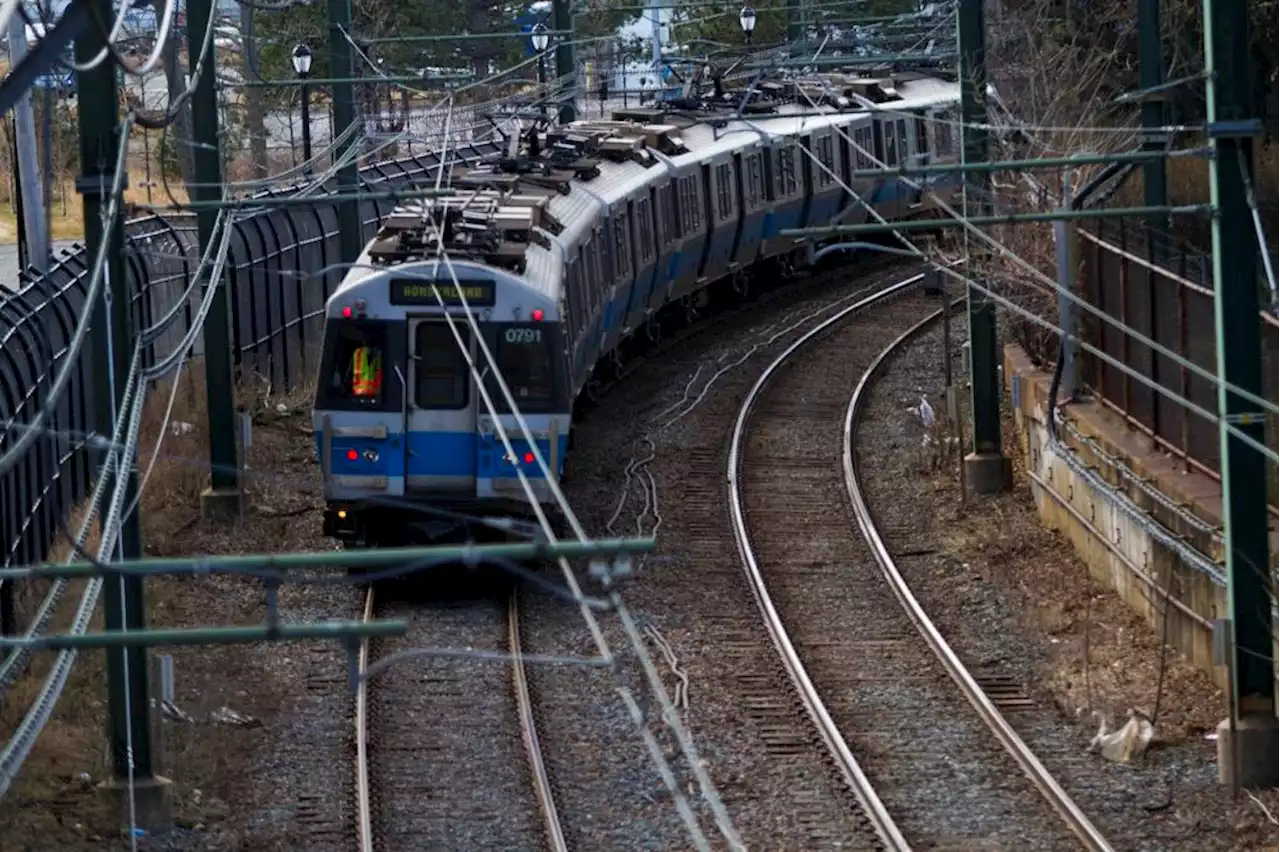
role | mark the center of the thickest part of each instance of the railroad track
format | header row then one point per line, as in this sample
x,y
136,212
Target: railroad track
x,y
447,751
873,674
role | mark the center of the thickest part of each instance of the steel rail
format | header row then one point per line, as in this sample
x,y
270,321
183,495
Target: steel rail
x,y
1090,837
529,729
364,818
854,778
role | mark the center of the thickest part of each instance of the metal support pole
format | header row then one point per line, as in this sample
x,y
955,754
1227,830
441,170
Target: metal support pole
x,y
223,495
341,63
989,470
1150,76
33,218
795,30
562,21
542,82
1064,236
1239,348
306,124
128,708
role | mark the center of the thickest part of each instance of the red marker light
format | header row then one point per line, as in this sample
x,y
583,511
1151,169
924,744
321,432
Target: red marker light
x,y
528,458
352,455
346,311
536,314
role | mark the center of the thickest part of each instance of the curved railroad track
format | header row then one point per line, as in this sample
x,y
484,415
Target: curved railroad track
x,y
873,673
447,751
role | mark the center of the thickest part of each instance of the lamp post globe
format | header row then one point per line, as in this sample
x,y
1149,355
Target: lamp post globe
x,y
302,59
747,20
541,38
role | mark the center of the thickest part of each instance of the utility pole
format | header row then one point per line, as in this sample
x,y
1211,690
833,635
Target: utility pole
x,y
1150,77
988,469
566,67
253,111
655,7
223,496
342,67
33,218
1246,742
128,707
795,31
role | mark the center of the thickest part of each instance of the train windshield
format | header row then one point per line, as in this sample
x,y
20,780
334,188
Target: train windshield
x,y
354,368
524,357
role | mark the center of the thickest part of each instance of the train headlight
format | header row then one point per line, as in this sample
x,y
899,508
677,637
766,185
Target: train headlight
x,y
371,455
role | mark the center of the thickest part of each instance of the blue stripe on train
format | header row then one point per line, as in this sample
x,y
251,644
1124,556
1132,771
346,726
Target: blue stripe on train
x,y
437,454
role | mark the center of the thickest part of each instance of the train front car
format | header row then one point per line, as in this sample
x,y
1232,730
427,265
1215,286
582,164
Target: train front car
x,y
410,450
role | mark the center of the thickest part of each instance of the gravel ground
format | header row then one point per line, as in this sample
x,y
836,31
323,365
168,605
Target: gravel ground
x,y
693,599
279,778
447,765
1014,603
941,774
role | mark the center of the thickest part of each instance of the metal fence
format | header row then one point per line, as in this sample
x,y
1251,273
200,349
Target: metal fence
x,y
1171,302
283,264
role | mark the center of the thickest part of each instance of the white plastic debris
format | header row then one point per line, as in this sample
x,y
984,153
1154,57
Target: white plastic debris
x,y
181,427
1126,743
227,716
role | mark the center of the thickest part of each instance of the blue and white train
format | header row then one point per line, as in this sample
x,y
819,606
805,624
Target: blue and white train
x,y
562,255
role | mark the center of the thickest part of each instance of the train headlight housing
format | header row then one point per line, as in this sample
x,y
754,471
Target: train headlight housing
x,y
371,455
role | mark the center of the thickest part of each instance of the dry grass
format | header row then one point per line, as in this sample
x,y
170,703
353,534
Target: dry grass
x,y
49,807
67,220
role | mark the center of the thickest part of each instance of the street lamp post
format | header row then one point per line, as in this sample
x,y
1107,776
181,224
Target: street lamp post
x,y
541,41
302,64
747,20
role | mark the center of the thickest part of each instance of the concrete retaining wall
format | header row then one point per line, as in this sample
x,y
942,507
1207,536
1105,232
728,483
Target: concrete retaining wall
x,y
1120,553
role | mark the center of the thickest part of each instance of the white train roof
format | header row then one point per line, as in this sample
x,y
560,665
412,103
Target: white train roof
x,y
525,222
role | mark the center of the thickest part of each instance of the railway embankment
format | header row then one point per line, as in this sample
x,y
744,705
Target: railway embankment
x,y
1134,554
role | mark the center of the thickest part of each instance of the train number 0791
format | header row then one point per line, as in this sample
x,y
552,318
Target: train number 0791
x,y
523,335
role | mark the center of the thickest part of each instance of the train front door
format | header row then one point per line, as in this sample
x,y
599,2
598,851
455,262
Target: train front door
x,y
440,449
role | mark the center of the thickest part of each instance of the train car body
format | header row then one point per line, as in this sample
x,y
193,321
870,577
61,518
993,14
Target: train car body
x,y
543,265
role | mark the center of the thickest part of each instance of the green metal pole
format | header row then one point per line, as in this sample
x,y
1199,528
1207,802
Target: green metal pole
x,y
239,635
1239,336
223,496
822,231
128,708
986,464
1150,77
467,554
562,20
341,63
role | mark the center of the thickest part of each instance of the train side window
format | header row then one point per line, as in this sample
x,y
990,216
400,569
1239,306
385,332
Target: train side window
x,y
861,147
786,180
443,380
826,156
667,214
355,377
751,185
644,228
942,130
621,251
524,360
890,155
724,191
922,136
900,128
695,191
604,240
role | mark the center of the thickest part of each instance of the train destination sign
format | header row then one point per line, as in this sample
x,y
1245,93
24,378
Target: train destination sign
x,y
417,291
